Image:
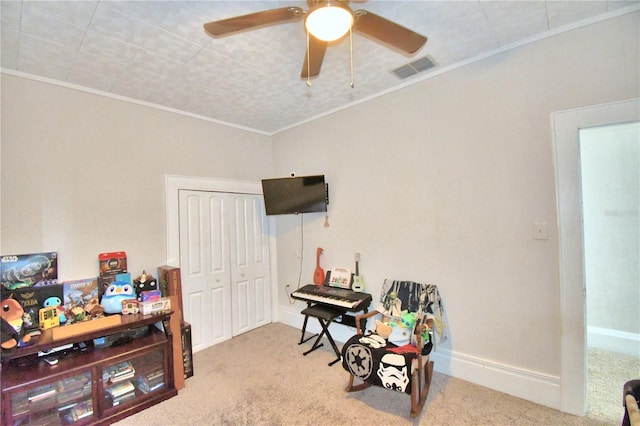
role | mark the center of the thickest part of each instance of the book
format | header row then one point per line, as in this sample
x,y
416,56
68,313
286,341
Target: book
x,y
118,372
151,381
79,411
147,389
42,393
340,277
130,396
120,389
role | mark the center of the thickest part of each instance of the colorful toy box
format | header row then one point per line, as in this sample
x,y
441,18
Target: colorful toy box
x,y
32,299
28,270
112,263
77,295
154,306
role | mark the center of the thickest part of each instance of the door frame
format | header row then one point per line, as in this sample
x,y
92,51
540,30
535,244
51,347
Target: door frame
x,y
175,183
566,127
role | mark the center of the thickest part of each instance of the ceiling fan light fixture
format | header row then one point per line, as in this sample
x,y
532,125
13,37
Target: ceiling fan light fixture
x,y
329,23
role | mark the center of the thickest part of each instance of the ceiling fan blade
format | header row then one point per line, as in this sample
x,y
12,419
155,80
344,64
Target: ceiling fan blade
x,y
313,58
387,32
253,21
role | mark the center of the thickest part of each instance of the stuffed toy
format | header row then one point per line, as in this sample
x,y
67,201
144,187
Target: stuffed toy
x,y
408,320
114,295
383,329
12,331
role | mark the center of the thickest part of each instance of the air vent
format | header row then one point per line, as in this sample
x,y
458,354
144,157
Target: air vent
x,y
414,67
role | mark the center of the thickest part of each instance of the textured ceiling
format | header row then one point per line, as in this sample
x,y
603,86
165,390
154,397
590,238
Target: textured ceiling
x,y
157,51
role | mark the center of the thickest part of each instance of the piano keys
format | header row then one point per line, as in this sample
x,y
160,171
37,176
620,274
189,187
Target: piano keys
x,y
329,304
333,296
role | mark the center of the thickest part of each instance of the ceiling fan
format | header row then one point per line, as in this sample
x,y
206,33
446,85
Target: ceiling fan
x,y
338,20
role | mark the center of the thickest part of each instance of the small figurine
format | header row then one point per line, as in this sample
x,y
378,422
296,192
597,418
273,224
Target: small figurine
x,y
93,309
27,318
393,305
144,283
13,334
77,314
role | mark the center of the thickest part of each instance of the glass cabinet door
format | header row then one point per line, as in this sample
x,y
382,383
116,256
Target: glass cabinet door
x,y
134,378
65,401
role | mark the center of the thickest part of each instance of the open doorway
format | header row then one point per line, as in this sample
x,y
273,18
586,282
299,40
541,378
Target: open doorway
x,y
610,183
567,125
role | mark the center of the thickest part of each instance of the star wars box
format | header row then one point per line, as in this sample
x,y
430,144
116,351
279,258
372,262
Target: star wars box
x,y
28,270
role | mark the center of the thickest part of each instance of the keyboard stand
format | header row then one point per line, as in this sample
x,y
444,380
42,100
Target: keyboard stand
x,y
304,329
325,316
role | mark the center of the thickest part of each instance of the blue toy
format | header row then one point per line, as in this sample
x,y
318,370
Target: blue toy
x,y
114,295
55,301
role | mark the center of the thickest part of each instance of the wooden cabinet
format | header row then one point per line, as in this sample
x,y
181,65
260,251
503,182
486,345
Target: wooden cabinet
x,y
90,386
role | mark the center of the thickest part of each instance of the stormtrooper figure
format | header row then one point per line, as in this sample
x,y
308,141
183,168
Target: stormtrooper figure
x,y
393,372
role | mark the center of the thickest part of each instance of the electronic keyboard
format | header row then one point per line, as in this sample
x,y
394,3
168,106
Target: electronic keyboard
x,y
333,296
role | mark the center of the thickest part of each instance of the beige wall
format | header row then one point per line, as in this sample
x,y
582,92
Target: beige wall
x,y
84,174
442,181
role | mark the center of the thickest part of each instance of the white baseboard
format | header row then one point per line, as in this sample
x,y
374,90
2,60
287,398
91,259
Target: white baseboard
x,y
533,386
613,340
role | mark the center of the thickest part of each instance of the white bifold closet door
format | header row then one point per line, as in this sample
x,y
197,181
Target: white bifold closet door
x,y
224,262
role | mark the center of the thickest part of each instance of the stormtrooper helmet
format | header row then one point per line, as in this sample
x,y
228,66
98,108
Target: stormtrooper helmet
x,y
393,372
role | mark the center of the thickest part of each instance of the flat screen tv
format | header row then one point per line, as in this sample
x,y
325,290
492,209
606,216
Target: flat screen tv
x,y
292,195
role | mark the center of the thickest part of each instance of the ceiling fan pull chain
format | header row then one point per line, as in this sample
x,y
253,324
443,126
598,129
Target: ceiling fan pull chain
x,y
351,54
308,62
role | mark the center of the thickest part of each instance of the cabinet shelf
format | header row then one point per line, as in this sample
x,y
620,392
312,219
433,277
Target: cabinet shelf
x,y
78,389
45,340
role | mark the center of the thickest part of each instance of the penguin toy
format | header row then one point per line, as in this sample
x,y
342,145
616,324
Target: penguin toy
x,y
114,295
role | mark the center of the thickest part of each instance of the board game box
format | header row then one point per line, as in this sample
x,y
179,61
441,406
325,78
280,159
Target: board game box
x,y
29,270
77,295
112,263
32,299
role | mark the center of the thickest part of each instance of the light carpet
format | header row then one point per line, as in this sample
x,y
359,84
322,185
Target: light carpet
x,y
607,373
262,378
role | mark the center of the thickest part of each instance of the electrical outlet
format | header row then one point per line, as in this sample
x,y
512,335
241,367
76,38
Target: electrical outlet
x,y
288,292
